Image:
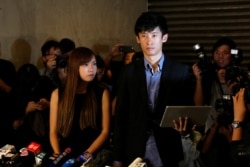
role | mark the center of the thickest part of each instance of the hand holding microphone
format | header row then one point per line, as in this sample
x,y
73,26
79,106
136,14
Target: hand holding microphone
x,y
58,160
83,159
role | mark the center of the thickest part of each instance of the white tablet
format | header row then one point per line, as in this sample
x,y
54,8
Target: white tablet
x,y
198,114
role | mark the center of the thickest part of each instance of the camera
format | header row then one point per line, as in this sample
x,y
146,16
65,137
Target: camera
x,y
237,55
61,61
235,74
204,64
200,51
126,49
224,106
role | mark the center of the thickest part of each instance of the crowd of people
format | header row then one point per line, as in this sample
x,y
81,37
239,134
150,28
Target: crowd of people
x,y
107,112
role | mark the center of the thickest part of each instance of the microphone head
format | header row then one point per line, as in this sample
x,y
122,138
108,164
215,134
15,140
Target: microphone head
x,y
67,150
69,163
63,156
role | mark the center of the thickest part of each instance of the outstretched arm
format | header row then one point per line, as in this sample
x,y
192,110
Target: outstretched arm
x,y
240,112
53,122
198,94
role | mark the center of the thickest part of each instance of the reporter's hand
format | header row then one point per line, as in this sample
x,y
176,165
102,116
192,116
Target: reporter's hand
x,y
31,106
240,109
50,65
221,74
196,71
42,104
226,131
115,51
17,123
230,85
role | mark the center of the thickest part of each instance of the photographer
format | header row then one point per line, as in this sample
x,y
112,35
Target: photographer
x,y
212,86
240,146
215,145
119,56
219,142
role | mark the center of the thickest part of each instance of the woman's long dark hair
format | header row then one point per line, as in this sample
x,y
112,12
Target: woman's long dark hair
x,y
66,105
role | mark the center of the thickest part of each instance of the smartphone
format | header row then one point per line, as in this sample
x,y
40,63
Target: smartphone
x,y
126,49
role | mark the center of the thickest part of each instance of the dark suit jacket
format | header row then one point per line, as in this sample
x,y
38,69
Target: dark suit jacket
x,y
133,121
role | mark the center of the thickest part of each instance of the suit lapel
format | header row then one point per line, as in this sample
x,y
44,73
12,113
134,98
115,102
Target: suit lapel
x,y
164,85
141,77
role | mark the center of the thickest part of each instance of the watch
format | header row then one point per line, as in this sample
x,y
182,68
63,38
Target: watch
x,y
237,124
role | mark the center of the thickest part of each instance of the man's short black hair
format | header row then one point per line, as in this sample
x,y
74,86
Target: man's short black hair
x,y
148,21
67,45
224,41
49,44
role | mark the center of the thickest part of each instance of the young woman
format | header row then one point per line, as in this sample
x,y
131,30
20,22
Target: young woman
x,y
80,111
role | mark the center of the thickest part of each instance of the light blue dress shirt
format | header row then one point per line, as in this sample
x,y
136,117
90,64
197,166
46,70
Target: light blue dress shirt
x,y
153,84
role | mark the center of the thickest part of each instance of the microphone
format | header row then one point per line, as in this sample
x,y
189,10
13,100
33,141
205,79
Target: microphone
x,y
69,163
58,160
76,162
138,162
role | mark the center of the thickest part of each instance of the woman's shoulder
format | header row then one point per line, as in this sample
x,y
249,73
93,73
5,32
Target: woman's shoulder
x,y
99,89
100,86
55,92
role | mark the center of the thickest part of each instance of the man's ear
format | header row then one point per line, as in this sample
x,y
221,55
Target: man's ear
x,y
165,38
137,39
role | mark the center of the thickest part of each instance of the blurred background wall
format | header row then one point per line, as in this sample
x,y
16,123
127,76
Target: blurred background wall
x,y
98,24
204,22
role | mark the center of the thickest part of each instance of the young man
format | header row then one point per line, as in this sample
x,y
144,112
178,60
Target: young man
x,y
50,52
146,87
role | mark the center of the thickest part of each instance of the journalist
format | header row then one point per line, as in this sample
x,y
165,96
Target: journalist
x,y
211,85
226,80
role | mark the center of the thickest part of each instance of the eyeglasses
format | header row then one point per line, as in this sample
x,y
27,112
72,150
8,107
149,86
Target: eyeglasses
x,y
52,54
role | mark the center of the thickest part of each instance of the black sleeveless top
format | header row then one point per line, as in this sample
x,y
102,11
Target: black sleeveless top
x,y
79,140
